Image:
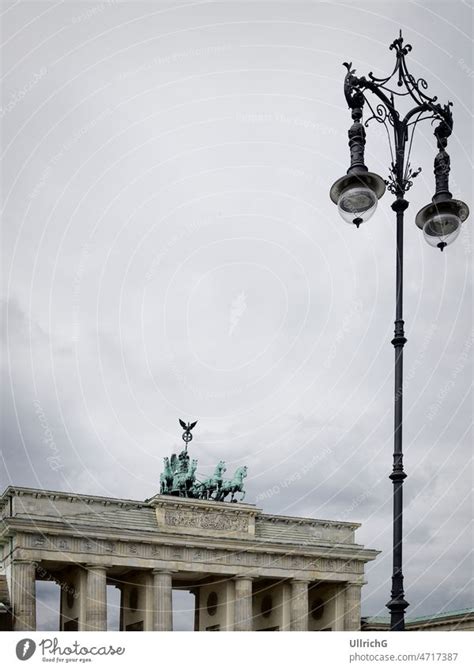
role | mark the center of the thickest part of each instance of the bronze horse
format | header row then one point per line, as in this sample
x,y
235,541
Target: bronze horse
x,y
233,486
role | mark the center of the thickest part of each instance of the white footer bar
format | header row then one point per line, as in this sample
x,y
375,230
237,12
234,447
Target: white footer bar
x,y
202,651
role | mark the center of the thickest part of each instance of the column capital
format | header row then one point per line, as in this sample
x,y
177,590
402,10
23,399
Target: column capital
x,y
163,571
243,576
95,566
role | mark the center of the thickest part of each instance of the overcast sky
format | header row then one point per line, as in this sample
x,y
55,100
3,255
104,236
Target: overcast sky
x,y
170,250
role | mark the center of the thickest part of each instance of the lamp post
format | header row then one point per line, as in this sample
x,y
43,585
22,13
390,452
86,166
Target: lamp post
x,y
356,195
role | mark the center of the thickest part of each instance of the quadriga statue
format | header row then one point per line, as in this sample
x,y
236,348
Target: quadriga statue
x,y
179,476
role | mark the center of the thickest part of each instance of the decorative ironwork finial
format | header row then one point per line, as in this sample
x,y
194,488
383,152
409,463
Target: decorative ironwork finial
x,y
397,44
187,436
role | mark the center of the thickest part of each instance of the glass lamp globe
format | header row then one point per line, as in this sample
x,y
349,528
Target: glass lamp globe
x,y
441,220
357,204
442,229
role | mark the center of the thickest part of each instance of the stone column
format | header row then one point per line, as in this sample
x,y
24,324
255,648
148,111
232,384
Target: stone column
x,y
339,607
96,598
352,606
119,587
24,595
196,593
162,600
61,610
243,603
299,605
285,606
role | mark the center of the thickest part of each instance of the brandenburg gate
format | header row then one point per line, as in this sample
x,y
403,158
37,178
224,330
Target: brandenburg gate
x,y
247,570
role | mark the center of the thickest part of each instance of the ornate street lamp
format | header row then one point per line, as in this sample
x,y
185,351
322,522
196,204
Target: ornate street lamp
x,y
356,195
